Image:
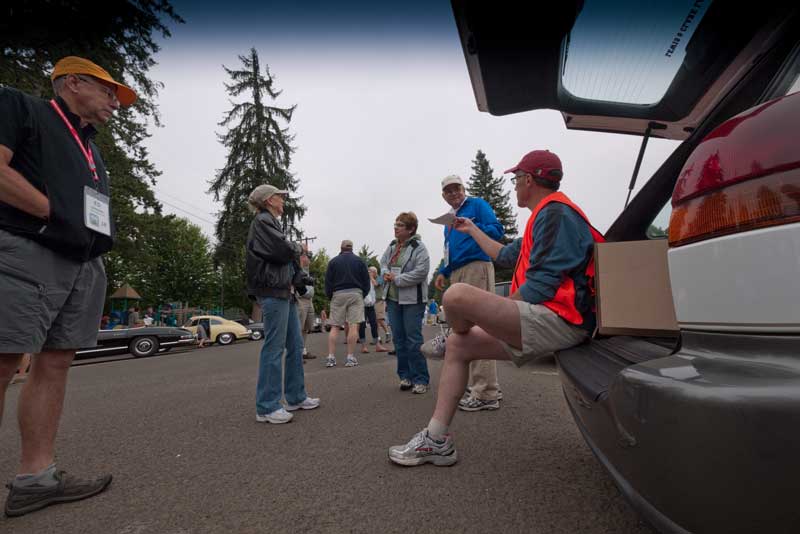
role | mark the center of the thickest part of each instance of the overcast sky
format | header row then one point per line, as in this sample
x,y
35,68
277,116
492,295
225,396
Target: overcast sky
x,y
385,110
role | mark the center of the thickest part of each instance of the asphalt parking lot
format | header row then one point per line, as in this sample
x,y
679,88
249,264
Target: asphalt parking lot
x,y
179,434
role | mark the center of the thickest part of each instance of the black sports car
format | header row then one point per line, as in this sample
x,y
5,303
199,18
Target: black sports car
x,y
140,342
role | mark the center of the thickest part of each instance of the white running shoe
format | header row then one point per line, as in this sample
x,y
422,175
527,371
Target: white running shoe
x,y
330,361
351,361
423,449
277,417
309,403
434,348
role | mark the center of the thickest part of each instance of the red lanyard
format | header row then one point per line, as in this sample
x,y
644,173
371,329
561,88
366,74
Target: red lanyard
x,y
86,153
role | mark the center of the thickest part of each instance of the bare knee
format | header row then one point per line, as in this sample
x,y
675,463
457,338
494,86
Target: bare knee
x,y
457,348
54,362
456,297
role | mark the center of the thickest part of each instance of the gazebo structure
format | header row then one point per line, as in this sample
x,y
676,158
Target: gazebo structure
x,y
121,297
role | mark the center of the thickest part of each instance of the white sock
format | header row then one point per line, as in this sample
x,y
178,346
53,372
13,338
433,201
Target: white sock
x,y
331,356
437,430
350,356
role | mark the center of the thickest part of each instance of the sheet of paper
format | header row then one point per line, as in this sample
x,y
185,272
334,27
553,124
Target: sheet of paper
x,y
446,219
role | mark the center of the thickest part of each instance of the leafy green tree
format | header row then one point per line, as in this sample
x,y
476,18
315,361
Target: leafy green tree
x,y
317,269
434,293
173,263
483,184
369,257
34,34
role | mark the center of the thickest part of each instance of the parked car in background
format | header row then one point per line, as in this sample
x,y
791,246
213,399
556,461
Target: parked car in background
x,y
219,329
257,330
141,342
700,429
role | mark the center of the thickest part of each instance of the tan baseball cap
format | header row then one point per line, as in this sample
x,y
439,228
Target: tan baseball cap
x,y
452,179
79,65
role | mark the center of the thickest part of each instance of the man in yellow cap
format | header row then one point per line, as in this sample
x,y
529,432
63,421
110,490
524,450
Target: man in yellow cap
x,y
55,223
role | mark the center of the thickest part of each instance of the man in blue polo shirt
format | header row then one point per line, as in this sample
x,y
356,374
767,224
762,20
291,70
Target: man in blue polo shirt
x,y
465,262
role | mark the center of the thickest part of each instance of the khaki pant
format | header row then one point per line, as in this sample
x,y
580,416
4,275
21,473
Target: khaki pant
x,y
482,373
305,309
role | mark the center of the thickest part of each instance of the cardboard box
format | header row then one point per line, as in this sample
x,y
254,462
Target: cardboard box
x,y
634,296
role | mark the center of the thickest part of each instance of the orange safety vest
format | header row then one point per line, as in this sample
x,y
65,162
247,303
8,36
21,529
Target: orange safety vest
x,y
563,303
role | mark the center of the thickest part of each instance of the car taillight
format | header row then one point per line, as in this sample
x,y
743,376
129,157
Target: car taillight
x,y
744,175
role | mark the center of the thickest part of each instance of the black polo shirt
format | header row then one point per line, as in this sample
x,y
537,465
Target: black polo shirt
x,y
46,154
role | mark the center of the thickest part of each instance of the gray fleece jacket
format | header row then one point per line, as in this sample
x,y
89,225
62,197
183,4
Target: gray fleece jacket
x,y
412,287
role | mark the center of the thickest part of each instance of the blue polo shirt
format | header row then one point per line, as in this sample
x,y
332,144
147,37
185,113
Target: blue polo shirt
x,y
463,249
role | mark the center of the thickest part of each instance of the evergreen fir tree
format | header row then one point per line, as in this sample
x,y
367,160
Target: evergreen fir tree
x,y
484,185
259,152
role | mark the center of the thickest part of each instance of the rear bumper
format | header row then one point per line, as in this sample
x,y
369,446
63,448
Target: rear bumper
x,y
691,437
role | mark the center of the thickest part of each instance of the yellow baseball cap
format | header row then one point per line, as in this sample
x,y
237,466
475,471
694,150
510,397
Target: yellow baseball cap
x,y
79,65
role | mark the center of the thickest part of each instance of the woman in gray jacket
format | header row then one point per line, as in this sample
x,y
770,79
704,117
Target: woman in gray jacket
x,y
405,266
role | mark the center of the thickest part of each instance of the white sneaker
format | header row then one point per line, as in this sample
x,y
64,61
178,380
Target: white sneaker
x,y
351,361
420,388
308,403
434,348
277,417
330,361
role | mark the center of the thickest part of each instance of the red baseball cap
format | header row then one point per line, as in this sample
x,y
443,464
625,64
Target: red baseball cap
x,y
541,164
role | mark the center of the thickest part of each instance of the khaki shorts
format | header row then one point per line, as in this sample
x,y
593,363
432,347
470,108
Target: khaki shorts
x,y
305,309
543,333
49,301
347,307
380,310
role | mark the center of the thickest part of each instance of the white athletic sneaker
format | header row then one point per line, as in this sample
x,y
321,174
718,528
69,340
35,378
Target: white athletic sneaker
x,y
276,418
434,348
308,403
330,361
351,361
423,449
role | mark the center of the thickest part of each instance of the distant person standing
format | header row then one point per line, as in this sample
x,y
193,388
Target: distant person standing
x,y
370,317
271,267
305,307
433,310
55,224
133,317
464,261
346,284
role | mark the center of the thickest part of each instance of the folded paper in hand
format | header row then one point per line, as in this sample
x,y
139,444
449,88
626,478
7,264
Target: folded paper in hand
x,y
448,219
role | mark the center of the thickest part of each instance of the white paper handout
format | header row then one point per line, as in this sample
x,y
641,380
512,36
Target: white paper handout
x,y
447,219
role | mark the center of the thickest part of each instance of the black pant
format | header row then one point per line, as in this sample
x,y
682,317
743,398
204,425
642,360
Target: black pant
x,y
369,314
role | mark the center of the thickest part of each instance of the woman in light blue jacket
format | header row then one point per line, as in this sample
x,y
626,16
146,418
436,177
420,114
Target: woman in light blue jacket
x,y
405,266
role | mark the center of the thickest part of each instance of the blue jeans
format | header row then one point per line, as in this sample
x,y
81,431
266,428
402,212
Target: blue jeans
x,y
281,330
406,321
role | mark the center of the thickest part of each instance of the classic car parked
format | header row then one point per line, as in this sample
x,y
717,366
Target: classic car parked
x,y
141,342
700,430
219,329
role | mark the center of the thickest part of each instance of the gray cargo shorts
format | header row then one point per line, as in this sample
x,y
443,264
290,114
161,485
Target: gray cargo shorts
x,y
48,301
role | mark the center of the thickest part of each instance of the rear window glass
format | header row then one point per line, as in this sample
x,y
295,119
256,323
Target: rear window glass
x,y
628,51
659,228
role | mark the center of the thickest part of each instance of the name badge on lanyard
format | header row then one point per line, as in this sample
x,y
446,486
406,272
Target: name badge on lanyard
x,y
96,211
96,205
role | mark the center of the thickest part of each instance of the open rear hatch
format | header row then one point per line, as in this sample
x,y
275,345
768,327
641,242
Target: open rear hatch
x,y
618,66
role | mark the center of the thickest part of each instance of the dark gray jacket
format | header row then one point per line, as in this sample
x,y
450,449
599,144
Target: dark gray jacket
x,y
271,258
